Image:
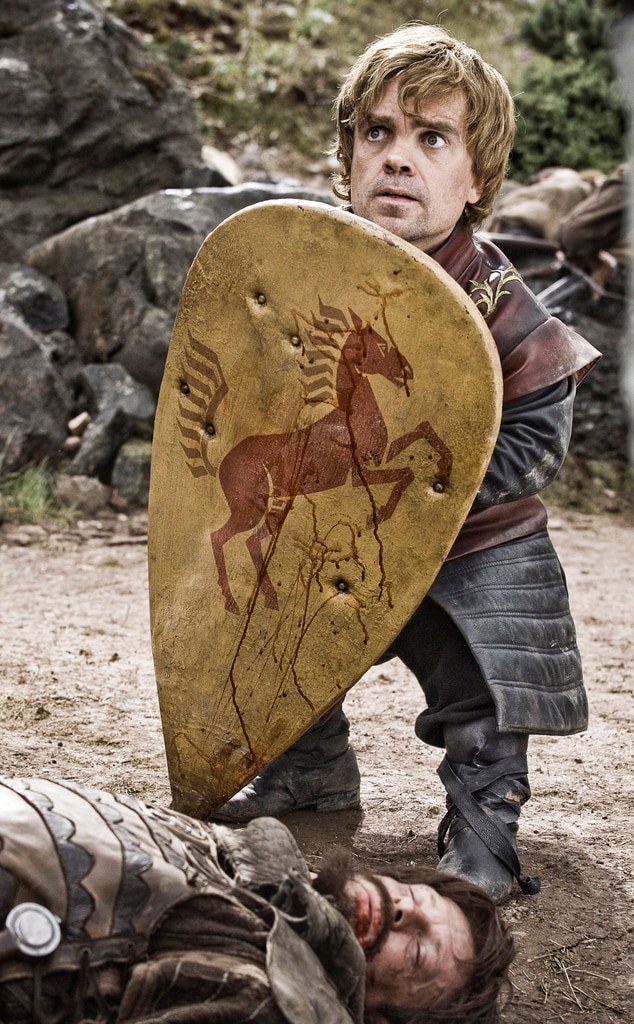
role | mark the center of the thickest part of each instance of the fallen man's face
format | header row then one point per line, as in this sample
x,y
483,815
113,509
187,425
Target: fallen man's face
x,y
416,942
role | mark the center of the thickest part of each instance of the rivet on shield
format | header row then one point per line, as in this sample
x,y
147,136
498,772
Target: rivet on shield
x,y
184,387
439,487
295,340
210,429
342,586
261,299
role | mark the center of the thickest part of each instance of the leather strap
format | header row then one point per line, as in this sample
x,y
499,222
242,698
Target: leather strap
x,y
484,825
71,956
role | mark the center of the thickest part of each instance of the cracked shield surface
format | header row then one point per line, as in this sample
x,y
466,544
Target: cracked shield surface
x,y
330,402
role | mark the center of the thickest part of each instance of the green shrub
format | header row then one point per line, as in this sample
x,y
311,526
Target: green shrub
x,y
571,112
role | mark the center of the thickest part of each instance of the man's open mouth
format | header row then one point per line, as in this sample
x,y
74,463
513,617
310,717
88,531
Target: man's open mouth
x,y
392,194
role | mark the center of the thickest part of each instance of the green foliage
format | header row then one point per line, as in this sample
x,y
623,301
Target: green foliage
x,y
277,86
567,30
571,112
266,72
27,496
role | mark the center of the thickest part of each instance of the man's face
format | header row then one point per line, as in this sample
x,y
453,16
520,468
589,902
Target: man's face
x,y
413,175
414,940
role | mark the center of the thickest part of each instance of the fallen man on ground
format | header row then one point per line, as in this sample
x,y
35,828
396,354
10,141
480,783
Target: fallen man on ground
x,y
116,911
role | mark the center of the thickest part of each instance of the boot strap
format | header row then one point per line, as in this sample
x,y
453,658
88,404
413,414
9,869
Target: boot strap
x,y
475,778
485,827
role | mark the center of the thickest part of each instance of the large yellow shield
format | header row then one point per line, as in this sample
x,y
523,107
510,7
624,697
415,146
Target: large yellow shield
x,y
330,402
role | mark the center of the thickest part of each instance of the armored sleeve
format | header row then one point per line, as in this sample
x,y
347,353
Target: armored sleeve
x,y
531,446
542,360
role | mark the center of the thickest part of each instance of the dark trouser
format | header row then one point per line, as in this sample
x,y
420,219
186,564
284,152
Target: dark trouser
x,y
434,649
326,739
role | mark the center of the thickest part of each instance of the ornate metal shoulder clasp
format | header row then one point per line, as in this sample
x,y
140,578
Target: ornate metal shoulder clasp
x,y
487,294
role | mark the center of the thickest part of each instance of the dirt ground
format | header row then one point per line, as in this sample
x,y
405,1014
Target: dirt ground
x,y
79,701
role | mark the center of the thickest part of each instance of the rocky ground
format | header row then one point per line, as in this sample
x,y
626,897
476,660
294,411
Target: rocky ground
x,y
79,701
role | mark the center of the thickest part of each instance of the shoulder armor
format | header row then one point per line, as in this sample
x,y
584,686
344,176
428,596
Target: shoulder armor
x,y
105,865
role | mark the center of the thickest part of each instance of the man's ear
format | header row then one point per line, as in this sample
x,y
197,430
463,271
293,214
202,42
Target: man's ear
x,y
475,192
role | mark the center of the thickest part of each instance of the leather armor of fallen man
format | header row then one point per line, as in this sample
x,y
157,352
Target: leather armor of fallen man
x,y
116,911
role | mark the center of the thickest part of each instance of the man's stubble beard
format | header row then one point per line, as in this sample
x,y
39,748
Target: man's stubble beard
x,y
331,881
415,231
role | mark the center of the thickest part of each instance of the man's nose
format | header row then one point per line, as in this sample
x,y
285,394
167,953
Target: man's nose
x,y
397,159
408,914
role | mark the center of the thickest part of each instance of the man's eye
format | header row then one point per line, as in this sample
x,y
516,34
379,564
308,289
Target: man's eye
x,y
417,953
434,140
375,133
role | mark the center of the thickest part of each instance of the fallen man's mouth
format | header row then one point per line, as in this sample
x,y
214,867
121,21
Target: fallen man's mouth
x,y
368,916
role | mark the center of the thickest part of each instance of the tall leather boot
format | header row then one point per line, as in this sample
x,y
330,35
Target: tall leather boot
x,y
485,773
319,772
